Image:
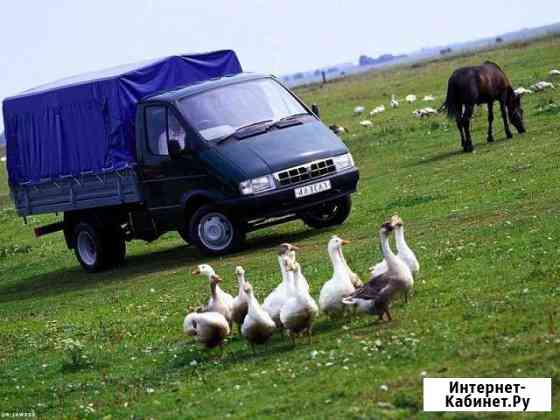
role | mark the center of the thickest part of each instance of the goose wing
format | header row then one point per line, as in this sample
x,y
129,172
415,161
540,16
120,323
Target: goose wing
x,y
374,287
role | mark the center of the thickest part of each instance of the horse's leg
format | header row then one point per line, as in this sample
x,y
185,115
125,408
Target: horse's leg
x,y
459,119
505,118
490,137
467,115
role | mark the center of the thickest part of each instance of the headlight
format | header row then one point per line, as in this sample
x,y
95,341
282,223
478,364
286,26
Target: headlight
x,y
257,185
343,162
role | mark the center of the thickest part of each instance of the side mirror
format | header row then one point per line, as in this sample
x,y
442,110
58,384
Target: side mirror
x,y
174,149
315,110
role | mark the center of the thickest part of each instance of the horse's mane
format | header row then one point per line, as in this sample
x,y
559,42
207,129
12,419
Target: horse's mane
x,y
493,64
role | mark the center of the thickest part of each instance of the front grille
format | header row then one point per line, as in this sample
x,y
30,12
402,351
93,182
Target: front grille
x,y
306,172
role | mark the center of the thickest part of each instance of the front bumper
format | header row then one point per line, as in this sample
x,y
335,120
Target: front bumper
x,y
282,202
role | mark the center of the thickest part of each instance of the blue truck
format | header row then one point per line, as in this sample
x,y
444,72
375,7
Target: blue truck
x,y
186,143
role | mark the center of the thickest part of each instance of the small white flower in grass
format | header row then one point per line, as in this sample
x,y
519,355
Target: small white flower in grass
x,y
236,387
314,354
525,290
378,342
44,365
345,367
193,363
152,290
150,390
423,373
329,364
384,387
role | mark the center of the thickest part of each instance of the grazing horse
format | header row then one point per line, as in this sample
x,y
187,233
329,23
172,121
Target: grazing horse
x,y
470,86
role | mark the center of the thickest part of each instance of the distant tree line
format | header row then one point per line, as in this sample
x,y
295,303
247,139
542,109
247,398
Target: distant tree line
x,y
384,58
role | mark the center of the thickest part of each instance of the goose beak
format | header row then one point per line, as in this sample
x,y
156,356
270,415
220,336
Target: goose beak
x,y
344,242
217,278
294,248
195,272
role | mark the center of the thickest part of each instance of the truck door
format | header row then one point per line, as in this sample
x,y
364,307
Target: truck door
x,y
165,179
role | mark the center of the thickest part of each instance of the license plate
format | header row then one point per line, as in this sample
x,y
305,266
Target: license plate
x,y
312,189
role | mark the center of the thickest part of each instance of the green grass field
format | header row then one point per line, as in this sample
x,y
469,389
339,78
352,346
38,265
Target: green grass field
x,y
485,226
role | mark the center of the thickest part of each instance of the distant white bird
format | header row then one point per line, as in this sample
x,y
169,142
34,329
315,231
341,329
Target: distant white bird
x,y
542,85
429,98
410,98
366,123
377,110
359,110
554,72
522,91
424,112
394,102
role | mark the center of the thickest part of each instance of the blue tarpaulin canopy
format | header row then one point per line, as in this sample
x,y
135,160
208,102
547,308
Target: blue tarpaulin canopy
x,y
85,124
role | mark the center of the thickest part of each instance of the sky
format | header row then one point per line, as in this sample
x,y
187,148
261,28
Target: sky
x,y
46,41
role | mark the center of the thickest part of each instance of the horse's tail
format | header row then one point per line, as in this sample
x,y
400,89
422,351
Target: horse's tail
x,y
451,103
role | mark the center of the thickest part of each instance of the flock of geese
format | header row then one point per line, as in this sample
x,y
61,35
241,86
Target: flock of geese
x,y
290,306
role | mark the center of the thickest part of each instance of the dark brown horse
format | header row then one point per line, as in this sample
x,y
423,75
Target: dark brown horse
x,y
470,86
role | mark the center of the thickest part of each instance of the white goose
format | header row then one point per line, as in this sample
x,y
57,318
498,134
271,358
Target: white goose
x,y
300,277
410,98
376,295
340,285
258,326
241,301
208,328
394,102
220,301
404,252
274,301
300,310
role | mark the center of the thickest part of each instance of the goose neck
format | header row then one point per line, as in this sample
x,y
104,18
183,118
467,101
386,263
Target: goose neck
x,y
386,248
241,281
399,237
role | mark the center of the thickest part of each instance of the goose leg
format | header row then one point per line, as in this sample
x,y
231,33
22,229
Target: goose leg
x,y
406,296
292,338
389,318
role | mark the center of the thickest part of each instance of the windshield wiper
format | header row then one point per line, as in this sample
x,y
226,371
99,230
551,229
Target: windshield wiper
x,y
241,129
291,117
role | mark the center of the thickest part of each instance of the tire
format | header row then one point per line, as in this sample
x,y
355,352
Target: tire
x,y
329,214
90,247
184,234
214,232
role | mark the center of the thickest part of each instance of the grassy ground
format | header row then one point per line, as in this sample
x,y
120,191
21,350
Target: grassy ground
x,y
485,227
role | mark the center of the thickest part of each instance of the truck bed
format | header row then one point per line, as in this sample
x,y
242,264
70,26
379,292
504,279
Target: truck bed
x,y
76,193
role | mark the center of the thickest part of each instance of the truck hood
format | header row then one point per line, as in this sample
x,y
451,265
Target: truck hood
x,y
283,148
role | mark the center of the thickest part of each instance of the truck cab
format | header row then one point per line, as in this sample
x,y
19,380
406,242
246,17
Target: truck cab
x,y
223,157
187,143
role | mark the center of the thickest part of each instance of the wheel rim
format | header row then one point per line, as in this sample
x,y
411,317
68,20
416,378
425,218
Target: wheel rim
x,y
215,231
86,248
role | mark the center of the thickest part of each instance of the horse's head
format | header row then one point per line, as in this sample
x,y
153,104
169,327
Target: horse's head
x,y
515,112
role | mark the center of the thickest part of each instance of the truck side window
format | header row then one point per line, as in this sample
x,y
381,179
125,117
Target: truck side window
x,y
156,126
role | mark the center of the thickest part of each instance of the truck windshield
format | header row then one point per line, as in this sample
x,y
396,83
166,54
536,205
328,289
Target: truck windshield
x,y
220,112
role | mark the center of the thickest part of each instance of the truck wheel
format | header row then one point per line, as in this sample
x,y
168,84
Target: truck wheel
x,y
214,232
184,234
90,248
329,214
